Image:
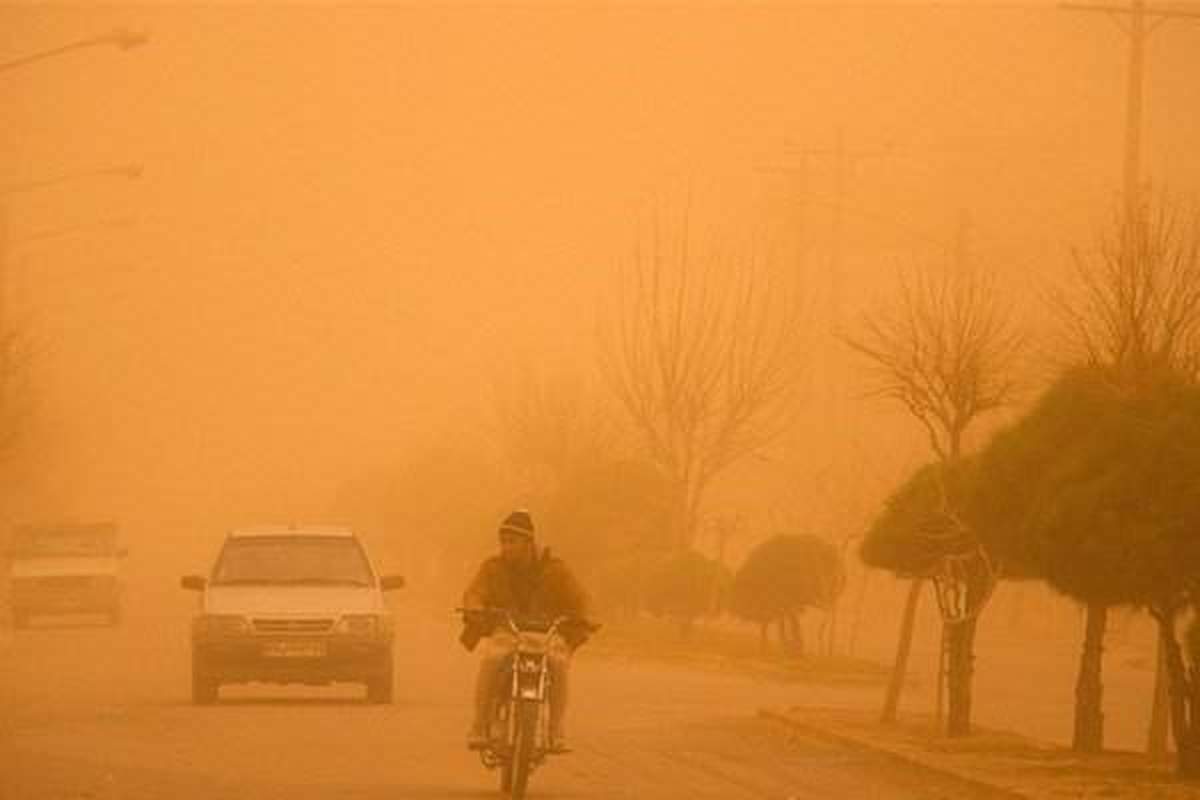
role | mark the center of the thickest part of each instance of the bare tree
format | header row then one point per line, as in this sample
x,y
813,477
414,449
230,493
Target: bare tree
x,y
946,351
702,352
548,421
1134,313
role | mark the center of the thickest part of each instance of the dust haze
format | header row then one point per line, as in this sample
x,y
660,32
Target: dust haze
x,y
367,249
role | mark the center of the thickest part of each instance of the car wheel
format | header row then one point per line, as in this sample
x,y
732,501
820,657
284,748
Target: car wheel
x,y
379,682
205,687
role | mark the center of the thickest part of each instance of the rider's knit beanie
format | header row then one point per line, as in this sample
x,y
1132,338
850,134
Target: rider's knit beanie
x,y
518,522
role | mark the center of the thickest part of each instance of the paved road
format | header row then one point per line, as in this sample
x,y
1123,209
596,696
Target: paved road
x,y
92,712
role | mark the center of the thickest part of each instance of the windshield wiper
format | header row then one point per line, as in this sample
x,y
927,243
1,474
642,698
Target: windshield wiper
x,y
244,582
325,581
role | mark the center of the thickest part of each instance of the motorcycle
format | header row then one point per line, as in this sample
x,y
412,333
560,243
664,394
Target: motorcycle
x,y
519,740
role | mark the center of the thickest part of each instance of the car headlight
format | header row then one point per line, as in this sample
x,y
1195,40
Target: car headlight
x,y
209,626
365,625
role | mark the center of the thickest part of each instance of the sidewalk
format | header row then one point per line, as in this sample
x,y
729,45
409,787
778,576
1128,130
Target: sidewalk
x,y
999,761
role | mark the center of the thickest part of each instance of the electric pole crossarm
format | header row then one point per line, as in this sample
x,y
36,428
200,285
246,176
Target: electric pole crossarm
x,y
1159,14
131,171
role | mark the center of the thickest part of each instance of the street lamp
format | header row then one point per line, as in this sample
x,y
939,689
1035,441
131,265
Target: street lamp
x,y
122,39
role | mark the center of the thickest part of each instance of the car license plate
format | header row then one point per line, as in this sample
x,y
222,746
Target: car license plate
x,y
294,649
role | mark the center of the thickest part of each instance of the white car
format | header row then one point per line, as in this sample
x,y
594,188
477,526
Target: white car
x,y
292,605
65,569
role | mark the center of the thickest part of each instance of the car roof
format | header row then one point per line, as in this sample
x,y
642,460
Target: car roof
x,y
259,531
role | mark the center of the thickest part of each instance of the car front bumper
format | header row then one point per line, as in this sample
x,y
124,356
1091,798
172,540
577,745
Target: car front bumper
x,y
291,660
65,595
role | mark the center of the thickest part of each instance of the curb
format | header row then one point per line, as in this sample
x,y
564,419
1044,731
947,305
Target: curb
x,y
906,759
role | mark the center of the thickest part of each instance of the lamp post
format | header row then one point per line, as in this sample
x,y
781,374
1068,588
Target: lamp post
x,y
122,39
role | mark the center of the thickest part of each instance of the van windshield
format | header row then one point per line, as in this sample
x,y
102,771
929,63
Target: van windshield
x,y
55,542
292,560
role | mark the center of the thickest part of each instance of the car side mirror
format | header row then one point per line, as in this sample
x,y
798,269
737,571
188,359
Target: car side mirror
x,y
389,582
193,582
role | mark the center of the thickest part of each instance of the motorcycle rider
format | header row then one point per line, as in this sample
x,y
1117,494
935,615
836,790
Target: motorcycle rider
x,y
524,582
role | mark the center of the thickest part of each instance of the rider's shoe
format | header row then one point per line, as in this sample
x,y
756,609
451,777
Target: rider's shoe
x,y
557,745
476,739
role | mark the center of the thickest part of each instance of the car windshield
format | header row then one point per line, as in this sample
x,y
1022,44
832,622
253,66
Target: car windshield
x,y
293,560
82,540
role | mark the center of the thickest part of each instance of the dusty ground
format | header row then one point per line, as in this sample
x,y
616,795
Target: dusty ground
x,y
92,712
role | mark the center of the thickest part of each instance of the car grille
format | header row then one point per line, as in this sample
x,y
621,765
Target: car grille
x,y
288,625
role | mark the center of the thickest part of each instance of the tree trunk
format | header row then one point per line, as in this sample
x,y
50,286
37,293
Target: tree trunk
x,y
858,606
1180,690
785,637
891,701
1156,740
962,672
828,634
797,636
1089,691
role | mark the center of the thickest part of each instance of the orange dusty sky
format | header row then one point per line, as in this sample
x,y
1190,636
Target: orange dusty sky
x,y
353,218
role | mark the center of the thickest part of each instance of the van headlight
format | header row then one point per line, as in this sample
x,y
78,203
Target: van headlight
x,y
219,626
361,625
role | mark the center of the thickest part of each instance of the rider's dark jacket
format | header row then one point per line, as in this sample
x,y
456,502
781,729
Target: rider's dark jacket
x,y
545,589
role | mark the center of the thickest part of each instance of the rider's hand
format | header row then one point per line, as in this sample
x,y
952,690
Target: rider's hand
x,y
474,615
574,635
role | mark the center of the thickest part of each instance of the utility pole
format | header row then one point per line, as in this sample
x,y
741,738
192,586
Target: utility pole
x,y
1138,21
845,160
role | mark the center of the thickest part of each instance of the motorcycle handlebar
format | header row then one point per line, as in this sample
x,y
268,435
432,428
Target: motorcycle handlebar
x,y
519,622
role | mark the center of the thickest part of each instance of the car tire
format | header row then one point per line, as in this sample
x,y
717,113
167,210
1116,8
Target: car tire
x,y
379,682
205,688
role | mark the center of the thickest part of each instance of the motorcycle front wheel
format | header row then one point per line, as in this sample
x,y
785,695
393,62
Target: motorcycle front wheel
x,y
524,742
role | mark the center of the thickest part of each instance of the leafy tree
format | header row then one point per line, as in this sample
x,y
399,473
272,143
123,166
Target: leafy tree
x,y
913,531
1132,314
781,578
679,586
1023,472
1098,491
1144,498
911,537
945,351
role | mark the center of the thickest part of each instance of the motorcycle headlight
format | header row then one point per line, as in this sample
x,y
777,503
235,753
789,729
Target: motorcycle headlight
x,y
529,664
220,625
365,625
